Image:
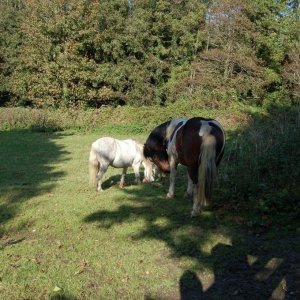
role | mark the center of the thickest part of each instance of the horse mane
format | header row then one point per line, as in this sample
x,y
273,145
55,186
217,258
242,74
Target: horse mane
x,y
139,147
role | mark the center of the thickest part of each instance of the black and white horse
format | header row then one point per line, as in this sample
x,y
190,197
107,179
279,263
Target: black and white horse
x,y
198,144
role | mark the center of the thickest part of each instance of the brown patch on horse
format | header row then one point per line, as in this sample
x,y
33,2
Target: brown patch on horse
x,y
163,165
188,144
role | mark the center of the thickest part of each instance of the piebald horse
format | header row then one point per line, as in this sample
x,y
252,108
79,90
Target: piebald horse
x,y
198,144
108,151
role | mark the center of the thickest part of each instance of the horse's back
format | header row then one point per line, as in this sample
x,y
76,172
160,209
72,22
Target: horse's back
x,y
105,147
126,146
190,137
127,153
188,143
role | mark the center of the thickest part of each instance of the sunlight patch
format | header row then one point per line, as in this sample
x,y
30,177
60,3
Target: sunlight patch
x,y
207,280
251,259
161,221
270,267
213,241
280,291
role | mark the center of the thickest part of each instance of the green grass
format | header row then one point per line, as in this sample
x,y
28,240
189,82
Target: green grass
x,y
58,232
60,239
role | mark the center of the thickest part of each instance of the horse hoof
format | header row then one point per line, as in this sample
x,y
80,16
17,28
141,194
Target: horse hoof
x,y
170,195
187,195
194,214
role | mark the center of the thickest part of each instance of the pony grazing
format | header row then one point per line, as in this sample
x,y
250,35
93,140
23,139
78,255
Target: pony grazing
x,y
108,151
196,143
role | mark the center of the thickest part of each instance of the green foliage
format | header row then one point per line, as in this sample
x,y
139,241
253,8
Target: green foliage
x,y
262,166
91,53
10,40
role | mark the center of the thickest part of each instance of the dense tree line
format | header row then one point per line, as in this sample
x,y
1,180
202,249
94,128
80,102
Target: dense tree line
x,y
88,53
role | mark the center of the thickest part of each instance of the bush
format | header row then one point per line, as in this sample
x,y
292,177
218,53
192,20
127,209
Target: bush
x,y
262,169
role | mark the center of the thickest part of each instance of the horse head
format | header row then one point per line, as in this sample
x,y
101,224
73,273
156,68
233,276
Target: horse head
x,y
159,156
157,143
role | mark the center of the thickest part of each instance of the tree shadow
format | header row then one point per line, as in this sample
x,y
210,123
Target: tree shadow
x,y
262,271
115,179
252,264
25,168
62,296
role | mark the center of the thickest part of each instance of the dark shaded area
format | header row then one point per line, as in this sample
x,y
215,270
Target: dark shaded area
x,y
262,259
189,285
115,179
264,270
261,170
62,296
25,169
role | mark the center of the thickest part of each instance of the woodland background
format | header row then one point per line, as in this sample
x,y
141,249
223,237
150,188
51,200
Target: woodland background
x,y
85,53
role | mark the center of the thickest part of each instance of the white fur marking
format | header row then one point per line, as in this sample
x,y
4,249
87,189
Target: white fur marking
x,y
205,128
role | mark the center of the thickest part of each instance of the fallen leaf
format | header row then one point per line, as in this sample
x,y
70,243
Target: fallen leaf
x,y
79,272
4,237
82,263
56,289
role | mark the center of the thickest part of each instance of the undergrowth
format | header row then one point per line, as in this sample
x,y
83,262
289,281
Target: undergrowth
x,y
261,169
120,119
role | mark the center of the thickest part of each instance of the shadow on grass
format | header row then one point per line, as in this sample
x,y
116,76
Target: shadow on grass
x,y
115,180
258,184
62,297
25,169
261,271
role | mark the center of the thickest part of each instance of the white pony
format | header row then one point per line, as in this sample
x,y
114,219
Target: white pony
x,y
108,151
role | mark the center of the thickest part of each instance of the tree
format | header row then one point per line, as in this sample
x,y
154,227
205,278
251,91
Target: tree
x,y
56,66
10,41
226,68
143,52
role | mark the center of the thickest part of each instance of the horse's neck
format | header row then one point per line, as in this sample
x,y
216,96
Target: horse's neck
x,y
140,148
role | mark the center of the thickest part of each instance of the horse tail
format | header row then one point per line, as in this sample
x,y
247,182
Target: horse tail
x,y
207,169
93,166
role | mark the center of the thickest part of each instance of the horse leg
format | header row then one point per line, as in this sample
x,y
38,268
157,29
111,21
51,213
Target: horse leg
x,y
189,191
102,170
136,170
149,171
193,188
173,173
122,181
196,204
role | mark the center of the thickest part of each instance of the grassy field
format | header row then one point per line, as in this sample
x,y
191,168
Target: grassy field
x,y
59,239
